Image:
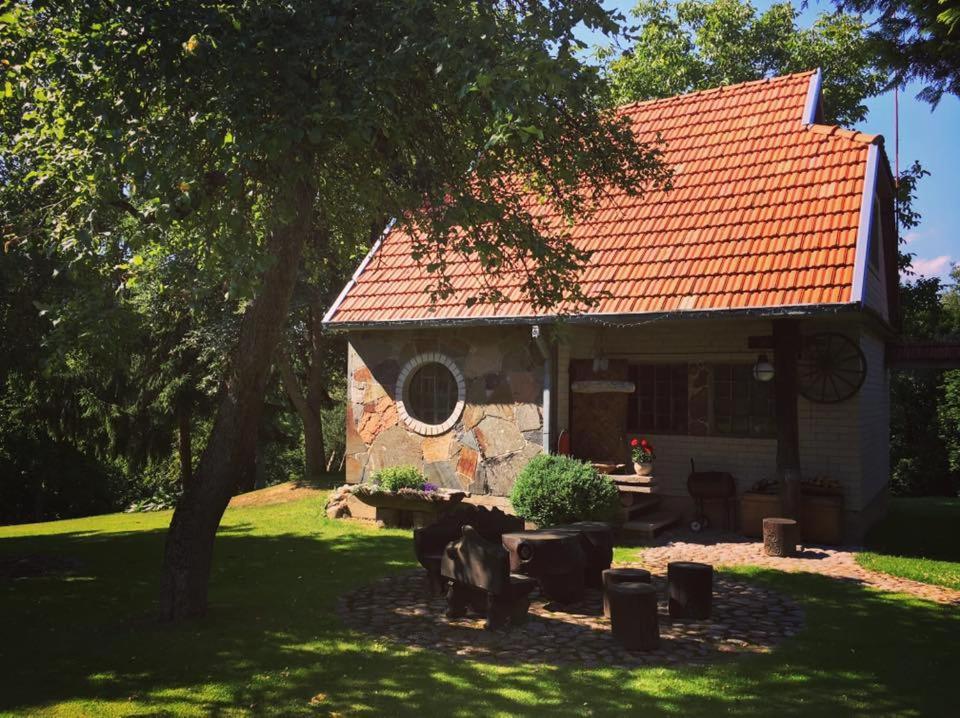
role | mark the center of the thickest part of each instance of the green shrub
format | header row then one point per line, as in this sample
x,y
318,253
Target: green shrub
x,y
555,490
395,478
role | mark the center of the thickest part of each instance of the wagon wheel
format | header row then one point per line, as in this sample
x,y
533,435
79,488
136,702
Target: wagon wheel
x,y
831,368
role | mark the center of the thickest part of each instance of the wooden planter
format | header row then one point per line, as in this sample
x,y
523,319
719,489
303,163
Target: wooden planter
x,y
396,510
821,517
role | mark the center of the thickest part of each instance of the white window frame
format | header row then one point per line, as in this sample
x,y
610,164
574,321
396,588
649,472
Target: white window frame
x,y
403,381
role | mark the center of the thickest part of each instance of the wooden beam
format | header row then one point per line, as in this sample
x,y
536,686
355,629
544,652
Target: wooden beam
x,y
786,350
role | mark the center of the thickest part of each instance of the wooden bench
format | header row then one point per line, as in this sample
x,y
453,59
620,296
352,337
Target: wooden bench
x,y
480,578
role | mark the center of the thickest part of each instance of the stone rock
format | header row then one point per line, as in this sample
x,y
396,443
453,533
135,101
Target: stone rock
x,y
469,438
534,437
472,414
524,387
504,411
354,466
373,392
354,444
528,417
377,417
501,472
437,448
467,466
394,447
362,374
442,474
498,437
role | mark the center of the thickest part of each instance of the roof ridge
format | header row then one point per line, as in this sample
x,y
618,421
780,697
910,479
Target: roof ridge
x,y
838,131
719,90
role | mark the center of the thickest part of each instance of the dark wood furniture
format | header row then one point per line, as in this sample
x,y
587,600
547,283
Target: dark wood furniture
x,y
633,615
430,541
689,589
596,540
780,537
553,557
480,578
621,575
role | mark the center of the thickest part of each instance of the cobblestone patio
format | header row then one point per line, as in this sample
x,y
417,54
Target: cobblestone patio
x,y
722,549
747,618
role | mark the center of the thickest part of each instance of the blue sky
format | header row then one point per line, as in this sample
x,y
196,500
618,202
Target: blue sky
x,y
925,135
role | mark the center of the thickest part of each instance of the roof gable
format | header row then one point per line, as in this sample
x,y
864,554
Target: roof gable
x,y
765,212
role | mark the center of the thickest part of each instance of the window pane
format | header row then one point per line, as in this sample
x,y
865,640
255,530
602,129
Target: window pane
x,y
742,406
432,394
661,398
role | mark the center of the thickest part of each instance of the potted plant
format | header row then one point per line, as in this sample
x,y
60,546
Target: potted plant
x,y
641,451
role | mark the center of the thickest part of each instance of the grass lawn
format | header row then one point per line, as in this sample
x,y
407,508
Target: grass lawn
x,y
919,539
87,644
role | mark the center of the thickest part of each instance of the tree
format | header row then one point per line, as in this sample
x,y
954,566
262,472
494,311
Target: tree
x,y
699,44
916,40
232,132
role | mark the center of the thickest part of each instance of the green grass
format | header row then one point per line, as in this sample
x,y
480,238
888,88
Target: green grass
x,y
918,539
87,644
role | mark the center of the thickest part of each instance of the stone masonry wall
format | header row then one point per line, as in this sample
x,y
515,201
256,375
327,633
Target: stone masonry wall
x,y
498,431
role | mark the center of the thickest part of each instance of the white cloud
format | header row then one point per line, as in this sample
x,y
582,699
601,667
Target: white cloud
x,y
912,237
933,267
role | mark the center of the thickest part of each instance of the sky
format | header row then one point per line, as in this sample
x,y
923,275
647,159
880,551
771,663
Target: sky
x,y
925,135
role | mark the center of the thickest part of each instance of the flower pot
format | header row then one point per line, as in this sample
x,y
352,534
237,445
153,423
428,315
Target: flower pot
x,y
643,468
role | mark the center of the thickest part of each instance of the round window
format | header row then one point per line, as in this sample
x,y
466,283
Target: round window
x,y
432,392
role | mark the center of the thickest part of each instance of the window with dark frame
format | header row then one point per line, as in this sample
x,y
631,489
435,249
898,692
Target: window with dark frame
x,y
432,394
742,406
659,403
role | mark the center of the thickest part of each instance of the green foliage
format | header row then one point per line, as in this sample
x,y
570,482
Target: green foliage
x,y
554,489
698,44
916,40
394,478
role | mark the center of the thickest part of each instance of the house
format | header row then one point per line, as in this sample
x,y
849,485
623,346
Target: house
x,y
775,249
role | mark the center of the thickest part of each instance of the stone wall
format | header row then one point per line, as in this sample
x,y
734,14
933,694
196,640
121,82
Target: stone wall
x,y
498,431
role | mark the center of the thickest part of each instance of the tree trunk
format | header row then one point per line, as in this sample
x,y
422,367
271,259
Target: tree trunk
x,y
786,350
308,406
189,547
185,447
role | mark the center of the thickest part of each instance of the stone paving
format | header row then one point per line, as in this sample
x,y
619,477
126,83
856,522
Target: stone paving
x,y
723,549
747,618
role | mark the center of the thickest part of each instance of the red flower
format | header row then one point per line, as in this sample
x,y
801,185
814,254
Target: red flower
x,y
643,442
634,442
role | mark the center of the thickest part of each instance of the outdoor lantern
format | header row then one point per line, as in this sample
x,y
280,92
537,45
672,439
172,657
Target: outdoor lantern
x,y
763,369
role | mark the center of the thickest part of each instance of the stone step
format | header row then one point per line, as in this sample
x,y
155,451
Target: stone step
x,y
628,489
631,479
642,506
649,525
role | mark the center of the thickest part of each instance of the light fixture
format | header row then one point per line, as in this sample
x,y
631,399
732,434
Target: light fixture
x,y
763,369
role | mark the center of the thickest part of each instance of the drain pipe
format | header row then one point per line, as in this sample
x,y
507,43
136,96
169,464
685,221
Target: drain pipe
x,y
547,383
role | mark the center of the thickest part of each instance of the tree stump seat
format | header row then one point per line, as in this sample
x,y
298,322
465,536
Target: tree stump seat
x,y
479,574
633,615
555,558
430,542
621,575
596,540
689,589
780,537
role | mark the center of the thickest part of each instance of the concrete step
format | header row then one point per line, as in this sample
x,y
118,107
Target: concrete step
x,y
628,489
641,507
649,525
631,479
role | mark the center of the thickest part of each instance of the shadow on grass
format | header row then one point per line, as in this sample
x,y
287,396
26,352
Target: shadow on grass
x,y
919,528
272,644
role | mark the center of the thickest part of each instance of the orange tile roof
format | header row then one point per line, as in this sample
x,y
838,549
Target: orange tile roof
x,y
764,213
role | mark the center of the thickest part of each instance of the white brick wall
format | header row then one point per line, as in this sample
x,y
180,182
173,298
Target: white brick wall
x,y
874,399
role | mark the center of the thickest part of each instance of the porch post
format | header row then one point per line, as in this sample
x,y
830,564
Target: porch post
x,y
786,350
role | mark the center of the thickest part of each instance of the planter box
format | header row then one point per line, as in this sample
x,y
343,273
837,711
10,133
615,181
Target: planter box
x,y
821,517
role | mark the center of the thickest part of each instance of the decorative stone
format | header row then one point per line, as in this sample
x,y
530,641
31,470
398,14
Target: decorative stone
x,y
472,414
498,437
501,472
374,392
437,448
443,474
362,375
528,417
467,466
394,447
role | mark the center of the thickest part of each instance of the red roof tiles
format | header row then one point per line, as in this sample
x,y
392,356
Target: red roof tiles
x,y
764,212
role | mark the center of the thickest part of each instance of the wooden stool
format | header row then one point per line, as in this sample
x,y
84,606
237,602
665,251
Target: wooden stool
x,y
689,589
611,576
554,558
780,537
633,615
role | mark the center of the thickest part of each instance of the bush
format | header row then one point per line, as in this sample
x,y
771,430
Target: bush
x,y
555,490
395,478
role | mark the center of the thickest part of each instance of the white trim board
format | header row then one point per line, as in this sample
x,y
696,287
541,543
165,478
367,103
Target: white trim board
x,y
864,229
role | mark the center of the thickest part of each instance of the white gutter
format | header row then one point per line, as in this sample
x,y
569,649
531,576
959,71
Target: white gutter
x,y
813,98
547,383
353,280
865,228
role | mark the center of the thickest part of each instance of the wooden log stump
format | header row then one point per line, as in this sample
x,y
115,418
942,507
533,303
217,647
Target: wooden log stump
x,y
633,615
689,589
555,558
596,540
780,537
621,575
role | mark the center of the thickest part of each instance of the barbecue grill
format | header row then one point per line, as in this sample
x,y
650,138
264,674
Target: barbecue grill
x,y
711,486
